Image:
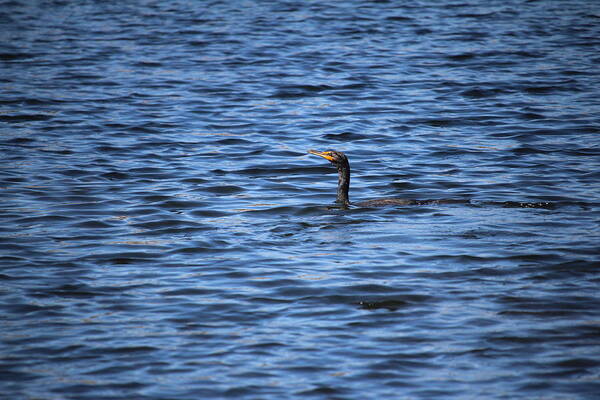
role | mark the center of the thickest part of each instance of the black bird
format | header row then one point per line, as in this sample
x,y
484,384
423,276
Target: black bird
x,y
340,161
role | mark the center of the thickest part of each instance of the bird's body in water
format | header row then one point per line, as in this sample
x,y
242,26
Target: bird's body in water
x,y
340,161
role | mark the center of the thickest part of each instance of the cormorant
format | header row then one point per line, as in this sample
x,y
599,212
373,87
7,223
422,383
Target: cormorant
x,y
340,161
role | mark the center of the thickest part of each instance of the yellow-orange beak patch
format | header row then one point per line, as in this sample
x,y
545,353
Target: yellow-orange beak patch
x,y
325,154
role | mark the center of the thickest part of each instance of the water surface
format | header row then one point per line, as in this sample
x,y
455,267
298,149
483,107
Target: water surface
x,y
166,236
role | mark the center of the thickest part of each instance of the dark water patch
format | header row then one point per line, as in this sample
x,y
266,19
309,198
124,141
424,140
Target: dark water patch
x,y
194,181
461,57
25,117
111,150
345,137
224,190
122,258
321,391
201,249
180,204
208,213
15,56
233,141
476,15
21,140
299,91
69,290
541,90
435,122
130,350
481,93
75,173
93,224
146,63
398,18
530,116
14,180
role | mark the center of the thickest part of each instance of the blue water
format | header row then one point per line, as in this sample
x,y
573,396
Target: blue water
x,y
165,235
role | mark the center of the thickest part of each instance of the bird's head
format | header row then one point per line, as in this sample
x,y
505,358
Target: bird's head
x,y
337,158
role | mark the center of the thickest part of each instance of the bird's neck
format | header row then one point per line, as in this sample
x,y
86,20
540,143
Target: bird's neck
x,y
343,184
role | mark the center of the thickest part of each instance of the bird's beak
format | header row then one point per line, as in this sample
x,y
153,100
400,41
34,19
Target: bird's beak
x,y
323,154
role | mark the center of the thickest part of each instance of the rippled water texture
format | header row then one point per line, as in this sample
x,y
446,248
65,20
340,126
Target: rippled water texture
x,y
165,235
